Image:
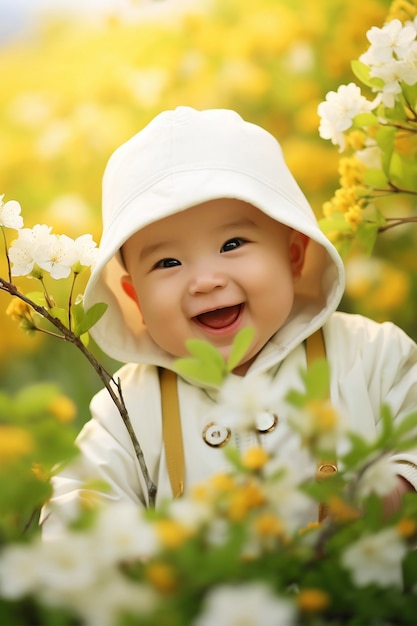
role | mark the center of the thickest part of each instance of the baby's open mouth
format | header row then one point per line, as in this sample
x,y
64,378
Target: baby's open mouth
x,y
220,318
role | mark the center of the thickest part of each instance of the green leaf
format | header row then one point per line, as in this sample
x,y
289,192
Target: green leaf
x,y
385,138
317,380
335,222
407,425
403,171
200,371
38,297
375,178
365,119
240,346
359,451
234,456
77,315
408,180
410,93
90,318
60,314
85,339
396,169
362,72
205,351
295,398
386,427
33,400
366,236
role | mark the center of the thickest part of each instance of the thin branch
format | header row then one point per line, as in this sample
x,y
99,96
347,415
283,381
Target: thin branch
x,y
112,386
70,300
396,221
9,269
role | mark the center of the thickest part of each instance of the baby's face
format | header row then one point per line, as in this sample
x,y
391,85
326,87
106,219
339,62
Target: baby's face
x,y
212,270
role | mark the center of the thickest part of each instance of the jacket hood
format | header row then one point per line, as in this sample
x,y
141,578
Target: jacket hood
x,y
182,158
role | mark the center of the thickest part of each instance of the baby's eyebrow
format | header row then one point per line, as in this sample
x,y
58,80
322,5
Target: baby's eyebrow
x,y
238,223
152,249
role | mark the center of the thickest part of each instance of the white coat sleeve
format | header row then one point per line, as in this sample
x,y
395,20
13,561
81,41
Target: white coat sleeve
x,y
376,365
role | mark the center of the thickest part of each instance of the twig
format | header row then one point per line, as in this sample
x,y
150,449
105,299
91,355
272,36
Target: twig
x,y
396,221
112,386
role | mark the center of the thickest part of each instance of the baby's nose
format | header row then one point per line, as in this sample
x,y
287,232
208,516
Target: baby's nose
x,y
207,281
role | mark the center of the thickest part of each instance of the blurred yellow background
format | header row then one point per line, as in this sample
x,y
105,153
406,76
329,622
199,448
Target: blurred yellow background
x,y
74,88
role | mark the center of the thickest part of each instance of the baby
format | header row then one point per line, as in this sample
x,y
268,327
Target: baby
x,y
206,232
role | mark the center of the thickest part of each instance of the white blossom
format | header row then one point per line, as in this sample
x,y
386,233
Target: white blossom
x,y
370,155
392,57
289,502
318,424
10,214
103,604
68,565
18,570
376,559
338,111
379,478
57,256
121,533
86,249
245,400
23,249
393,40
393,74
190,513
251,604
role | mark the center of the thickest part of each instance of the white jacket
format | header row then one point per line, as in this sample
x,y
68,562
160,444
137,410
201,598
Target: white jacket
x,y
180,159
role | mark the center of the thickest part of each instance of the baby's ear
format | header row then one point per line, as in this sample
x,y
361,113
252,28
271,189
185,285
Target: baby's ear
x,y
128,288
297,248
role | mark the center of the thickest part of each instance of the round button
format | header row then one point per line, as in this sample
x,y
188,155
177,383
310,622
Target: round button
x,y
266,422
215,435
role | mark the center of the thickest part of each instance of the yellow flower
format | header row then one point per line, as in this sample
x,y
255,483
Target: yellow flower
x,y
21,312
268,525
40,473
340,511
407,527
246,497
309,527
200,493
161,576
15,443
402,10
254,458
323,415
223,482
62,408
18,310
351,172
171,533
312,600
354,216
355,140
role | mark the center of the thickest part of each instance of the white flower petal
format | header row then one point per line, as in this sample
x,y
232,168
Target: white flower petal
x,y
376,559
251,604
10,214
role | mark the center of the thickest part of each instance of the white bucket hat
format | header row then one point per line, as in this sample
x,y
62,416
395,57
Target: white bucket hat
x,y
182,158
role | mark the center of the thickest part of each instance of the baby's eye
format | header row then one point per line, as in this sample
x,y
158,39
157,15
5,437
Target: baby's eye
x,y
165,263
232,244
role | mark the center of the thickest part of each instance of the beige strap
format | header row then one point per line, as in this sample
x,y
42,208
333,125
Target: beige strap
x,y
171,423
171,426
315,349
